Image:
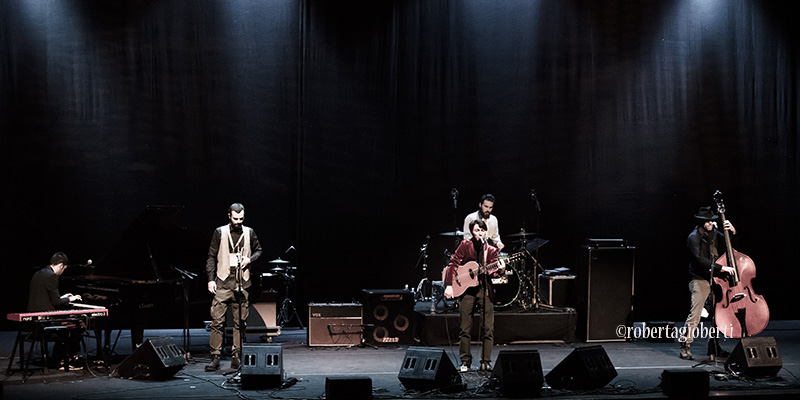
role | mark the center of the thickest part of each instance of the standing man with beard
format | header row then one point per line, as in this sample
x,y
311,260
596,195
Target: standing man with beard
x,y
484,213
233,247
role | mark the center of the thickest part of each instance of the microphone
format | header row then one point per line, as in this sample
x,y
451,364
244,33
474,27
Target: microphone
x,y
535,200
290,249
454,193
88,263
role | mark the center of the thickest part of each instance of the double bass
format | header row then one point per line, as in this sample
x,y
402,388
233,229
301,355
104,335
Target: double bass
x,y
739,311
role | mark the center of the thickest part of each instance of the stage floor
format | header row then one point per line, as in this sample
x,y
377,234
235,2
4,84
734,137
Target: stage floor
x,y
639,364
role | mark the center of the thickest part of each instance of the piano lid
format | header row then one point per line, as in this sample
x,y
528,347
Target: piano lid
x,y
151,247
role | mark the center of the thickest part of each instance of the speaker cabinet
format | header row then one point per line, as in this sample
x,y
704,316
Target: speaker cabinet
x,y
334,324
685,383
348,388
156,358
557,290
262,318
388,316
262,365
518,373
427,368
585,368
604,291
755,357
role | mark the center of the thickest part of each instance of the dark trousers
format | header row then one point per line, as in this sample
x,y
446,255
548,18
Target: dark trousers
x,y
472,298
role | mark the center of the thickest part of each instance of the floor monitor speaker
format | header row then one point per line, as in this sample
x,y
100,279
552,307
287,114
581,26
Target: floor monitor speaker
x,y
348,388
755,357
518,373
427,368
262,365
156,358
585,368
685,383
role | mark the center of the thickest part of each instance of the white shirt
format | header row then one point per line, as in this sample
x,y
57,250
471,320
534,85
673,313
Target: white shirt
x,y
492,229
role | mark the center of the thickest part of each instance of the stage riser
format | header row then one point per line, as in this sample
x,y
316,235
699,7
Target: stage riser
x,y
433,329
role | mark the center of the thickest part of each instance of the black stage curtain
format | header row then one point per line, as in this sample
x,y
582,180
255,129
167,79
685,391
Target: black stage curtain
x,y
343,126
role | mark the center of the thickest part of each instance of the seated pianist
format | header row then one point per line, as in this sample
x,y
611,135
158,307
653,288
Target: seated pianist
x,y
44,296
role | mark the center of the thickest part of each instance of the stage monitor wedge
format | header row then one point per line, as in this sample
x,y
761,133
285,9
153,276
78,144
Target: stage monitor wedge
x,y
427,368
685,383
755,357
585,368
518,373
156,358
262,366
356,387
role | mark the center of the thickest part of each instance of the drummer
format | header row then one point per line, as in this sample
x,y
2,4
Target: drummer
x,y
484,213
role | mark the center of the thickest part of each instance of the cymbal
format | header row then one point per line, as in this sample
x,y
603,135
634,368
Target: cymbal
x,y
523,234
454,233
277,269
278,261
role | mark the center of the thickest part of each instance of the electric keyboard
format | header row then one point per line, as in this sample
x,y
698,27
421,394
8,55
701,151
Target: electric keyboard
x,y
85,311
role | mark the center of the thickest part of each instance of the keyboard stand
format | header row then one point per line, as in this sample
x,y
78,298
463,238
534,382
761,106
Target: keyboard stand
x,y
36,332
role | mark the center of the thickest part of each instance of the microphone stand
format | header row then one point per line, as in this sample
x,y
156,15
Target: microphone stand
x,y
239,299
423,256
186,276
454,194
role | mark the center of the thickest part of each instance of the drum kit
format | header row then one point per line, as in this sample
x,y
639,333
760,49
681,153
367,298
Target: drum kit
x,y
284,270
518,287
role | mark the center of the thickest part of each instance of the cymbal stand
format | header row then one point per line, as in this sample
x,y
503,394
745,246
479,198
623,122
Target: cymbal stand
x,y
528,296
536,266
288,311
424,288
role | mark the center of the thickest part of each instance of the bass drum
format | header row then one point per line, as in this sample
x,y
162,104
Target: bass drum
x,y
506,287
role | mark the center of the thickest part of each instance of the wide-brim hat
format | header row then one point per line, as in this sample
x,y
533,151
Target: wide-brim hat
x,y
706,214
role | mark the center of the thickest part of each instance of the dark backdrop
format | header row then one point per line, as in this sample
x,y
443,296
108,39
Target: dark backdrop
x,y
343,126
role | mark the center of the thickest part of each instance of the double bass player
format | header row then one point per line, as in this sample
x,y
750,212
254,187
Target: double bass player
x,y
705,244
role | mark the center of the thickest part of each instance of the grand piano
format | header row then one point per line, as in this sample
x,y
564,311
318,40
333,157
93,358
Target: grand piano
x,y
142,279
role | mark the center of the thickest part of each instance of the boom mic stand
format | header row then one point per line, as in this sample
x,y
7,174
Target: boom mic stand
x,y
186,276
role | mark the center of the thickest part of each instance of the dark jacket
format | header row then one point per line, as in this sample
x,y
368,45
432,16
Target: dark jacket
x,y
465,252
699,244
43,294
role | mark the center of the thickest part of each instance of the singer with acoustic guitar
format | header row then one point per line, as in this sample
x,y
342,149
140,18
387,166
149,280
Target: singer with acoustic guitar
x,y
467,276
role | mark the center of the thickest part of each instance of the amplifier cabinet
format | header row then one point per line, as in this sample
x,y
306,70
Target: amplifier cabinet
x,y
604,291
339,324
556,290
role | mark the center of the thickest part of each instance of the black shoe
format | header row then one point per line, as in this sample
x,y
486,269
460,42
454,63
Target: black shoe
x,y
486,366
235,362
214,364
